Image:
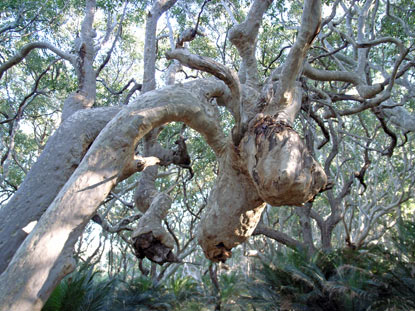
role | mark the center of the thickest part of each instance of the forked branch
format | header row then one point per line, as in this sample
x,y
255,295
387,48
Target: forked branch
x,y
244,37
220,71
92,181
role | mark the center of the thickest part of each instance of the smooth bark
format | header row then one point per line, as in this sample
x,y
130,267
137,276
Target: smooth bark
x,y
45,256
62,154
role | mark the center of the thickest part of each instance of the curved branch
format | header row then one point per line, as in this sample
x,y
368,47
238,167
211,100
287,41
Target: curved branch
x,y
378,41
309,110
277,57
114,92
364,90
278,236
333,52
370,95
50,244
400,117
381,96
330,75
394,139
121,225
30,47
220,71
114,42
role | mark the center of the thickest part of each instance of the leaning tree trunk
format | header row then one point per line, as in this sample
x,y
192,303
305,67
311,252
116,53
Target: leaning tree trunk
x,y
59,159
64,150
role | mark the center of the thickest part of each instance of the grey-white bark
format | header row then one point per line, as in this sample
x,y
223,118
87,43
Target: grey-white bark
x,y
84,97
146,196
45,255
244,37
149,76
25,50
278,236
61,156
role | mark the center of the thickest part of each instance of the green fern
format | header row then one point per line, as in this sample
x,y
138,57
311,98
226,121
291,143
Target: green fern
x,y
79,292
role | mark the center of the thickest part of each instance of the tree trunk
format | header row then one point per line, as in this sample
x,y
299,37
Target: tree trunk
x,y
326,233
62,154
46,254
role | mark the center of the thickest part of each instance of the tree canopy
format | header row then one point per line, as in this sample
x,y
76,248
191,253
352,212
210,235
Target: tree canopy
x,y
167,137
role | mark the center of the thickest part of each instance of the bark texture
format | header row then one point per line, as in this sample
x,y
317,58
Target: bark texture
x,y
150,239
233,211
268,155
279,164
272,165
46,254
62,154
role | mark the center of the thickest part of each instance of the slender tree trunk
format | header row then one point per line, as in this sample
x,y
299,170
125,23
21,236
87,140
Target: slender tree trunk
x,y
326,234
84,97
305,222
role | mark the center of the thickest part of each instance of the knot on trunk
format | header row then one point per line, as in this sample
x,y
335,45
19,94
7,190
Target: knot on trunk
x,y
266,126
150,239
149,246
220,253
279,163
233,210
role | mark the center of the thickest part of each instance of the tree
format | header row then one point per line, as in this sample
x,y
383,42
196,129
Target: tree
x,y
262,161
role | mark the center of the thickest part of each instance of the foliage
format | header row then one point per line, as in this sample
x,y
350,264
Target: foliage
x,y
183,289
80,291
374,278
400,275
344,279
141,294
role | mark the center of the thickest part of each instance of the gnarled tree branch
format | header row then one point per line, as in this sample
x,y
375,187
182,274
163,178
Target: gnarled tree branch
x,y
92,181
25,50
244,37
